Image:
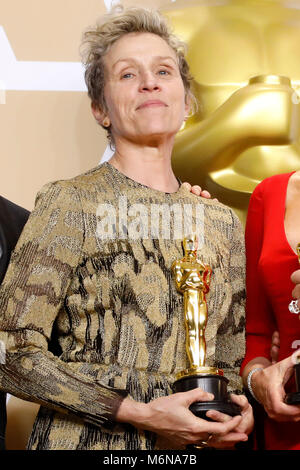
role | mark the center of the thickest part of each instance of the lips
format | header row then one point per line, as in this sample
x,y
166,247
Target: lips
x,y
150,103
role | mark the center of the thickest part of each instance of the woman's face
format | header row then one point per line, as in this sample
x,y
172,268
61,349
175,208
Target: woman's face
x,y
144,92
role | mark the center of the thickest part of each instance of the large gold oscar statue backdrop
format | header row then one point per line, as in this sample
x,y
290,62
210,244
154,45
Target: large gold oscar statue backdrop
x,y
244,57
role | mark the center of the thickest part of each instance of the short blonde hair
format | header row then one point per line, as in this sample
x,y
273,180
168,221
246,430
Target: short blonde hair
x,y
97,41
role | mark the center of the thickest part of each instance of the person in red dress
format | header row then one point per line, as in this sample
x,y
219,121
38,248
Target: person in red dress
x,y
272,235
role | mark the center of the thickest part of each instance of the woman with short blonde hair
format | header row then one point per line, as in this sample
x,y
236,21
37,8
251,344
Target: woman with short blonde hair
x,y
95,279
98,40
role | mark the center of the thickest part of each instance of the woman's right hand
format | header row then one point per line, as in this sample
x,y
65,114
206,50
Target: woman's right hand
x,y
268,387
170,417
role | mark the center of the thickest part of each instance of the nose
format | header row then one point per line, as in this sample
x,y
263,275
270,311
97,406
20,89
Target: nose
x,y
149,82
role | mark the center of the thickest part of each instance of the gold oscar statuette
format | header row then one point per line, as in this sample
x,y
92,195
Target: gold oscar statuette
x,y
293,398
192,279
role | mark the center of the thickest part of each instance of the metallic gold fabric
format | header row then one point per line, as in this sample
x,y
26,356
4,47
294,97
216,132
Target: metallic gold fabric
x,y
112,308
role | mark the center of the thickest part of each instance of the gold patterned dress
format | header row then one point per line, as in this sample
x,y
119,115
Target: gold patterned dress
x,y
110,308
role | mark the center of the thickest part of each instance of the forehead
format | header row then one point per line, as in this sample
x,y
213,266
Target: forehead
x,y
141,46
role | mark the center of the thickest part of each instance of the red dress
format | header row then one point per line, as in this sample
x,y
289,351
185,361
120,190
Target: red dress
x,y
270,263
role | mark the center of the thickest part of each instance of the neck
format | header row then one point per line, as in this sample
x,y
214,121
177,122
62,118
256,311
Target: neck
x,y
149,165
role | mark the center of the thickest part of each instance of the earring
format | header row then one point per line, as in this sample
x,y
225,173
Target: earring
x,y
188,116
106,122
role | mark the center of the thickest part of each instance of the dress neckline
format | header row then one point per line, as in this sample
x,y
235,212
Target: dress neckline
x,y
136,184
283,220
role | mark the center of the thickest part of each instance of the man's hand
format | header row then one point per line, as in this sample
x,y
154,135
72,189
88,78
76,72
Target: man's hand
x,y
198,191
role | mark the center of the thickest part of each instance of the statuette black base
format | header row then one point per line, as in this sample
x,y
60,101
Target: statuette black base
x,y
294,398
216,384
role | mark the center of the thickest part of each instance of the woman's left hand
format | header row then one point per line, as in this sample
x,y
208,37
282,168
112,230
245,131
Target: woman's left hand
x,y
245,426
198,191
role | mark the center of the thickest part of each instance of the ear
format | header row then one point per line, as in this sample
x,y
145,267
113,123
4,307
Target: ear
x,y
187,106
99,115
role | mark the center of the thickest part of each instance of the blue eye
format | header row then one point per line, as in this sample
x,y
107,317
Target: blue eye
x,y
163,72
126,75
